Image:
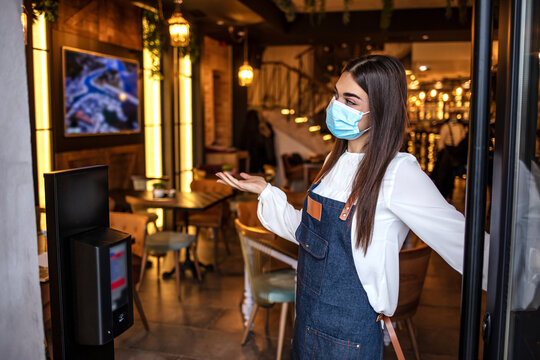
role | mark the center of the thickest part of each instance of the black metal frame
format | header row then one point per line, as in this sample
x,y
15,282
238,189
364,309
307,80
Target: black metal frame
x,y
504,163
471,295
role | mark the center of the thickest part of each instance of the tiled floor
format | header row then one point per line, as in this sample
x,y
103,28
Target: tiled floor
x,y
207,323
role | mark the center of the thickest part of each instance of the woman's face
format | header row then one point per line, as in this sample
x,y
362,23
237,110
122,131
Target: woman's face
x,y
348,92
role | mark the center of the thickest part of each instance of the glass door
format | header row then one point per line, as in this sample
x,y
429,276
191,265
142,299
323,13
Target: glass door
x,y
511,328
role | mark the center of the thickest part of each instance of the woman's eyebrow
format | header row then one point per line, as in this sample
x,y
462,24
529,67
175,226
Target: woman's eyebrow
x,y
352,95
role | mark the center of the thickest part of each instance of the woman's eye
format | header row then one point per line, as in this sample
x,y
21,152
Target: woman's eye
x,y
349,102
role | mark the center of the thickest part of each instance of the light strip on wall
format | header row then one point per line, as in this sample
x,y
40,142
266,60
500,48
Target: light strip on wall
x,y
186,124
152,124
41,104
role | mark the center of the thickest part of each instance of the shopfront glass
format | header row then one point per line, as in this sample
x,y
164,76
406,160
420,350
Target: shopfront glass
x,y
522,340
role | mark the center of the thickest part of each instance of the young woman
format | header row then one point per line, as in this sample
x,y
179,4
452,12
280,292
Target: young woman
x,y
356,217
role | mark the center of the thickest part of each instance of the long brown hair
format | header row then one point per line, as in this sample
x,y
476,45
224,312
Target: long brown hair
x,y
382,77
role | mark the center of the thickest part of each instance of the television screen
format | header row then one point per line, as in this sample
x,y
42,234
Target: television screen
x,y
101,93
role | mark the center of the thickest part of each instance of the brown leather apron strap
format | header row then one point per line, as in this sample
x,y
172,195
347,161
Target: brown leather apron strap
x,y
346,209
393,337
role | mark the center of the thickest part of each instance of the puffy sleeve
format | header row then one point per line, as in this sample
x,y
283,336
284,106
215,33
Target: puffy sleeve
x,y
419,204
277,215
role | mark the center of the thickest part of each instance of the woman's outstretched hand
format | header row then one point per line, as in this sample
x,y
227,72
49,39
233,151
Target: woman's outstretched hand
x,y
254,184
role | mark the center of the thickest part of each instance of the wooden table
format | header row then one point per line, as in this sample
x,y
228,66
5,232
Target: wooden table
x,y
194,201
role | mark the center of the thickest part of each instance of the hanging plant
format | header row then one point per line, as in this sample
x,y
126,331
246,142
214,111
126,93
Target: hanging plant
x,y
153,40
462,8
288,8
49,9
386,14
346,12
193,49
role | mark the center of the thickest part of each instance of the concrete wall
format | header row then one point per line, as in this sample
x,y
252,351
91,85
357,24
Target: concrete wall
x,y
21,325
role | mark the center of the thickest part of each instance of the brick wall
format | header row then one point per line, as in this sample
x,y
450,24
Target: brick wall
x,y
216,77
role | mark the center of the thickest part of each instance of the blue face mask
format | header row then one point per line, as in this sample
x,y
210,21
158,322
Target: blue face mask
x,y
342,120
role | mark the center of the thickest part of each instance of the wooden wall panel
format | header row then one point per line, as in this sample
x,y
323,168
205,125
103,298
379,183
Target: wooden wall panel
x,y
123,162
112,21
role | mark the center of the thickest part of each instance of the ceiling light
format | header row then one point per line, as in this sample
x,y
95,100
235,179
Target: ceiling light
x,y
301,120
327,137
422,95
433,93
178,27
459,91
425,37
314,128
438,85
445,97
423,68
245,73
408,72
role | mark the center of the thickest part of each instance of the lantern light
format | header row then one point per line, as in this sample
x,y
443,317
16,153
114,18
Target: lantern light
x,y
245,73
178,27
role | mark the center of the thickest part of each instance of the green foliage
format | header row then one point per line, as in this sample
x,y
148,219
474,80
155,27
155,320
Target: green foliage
x,y
193,48
386,14
153,39
462,8
49,8
287,7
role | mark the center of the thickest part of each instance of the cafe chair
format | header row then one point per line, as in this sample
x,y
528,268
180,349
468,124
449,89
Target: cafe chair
x,y
165,241
267,288
135,225
293,168
212,218
413,265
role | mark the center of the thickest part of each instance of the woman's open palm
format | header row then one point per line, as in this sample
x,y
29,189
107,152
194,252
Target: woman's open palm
x,y
254,184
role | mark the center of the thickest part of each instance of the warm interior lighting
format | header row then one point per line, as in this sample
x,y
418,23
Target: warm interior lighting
x,y
152,124
24,23
422,68
433,93
41,103
459,91
413,99
412,77
445,97
301,120
245,75
314,128
186,125
408,72
327,137
287,111
422,95
178,27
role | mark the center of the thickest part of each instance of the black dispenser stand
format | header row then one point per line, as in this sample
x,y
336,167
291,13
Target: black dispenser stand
x,y
77,202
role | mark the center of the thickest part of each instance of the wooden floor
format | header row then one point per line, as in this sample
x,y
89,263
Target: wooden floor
x,y
207,323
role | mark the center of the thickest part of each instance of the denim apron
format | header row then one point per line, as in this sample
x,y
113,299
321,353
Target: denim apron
x,y
334,319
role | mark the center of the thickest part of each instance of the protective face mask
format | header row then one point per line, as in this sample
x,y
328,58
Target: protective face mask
x,y
342,120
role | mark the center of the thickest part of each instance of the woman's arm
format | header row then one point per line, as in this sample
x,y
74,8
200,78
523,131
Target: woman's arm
x,y
274,212
417,202
277,215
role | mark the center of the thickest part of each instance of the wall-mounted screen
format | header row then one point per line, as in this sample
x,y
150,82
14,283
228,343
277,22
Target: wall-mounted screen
x,y
101,93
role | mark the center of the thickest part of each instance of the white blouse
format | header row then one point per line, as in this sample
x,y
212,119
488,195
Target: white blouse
x,y
408,199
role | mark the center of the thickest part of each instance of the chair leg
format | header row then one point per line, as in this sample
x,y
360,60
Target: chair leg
x,y
196,260
177,271
143,267
250,321
224,238
413,338
140,309
158,268
281,335
215,238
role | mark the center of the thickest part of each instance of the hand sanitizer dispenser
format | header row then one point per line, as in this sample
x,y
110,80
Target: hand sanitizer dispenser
x,y
103,306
